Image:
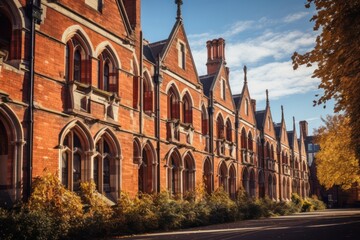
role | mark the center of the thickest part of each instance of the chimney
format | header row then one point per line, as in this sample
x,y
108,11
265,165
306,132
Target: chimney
x,y
216,54
304,128
253,104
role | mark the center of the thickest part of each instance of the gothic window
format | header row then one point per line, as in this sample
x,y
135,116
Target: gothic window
x,y
270,186
261,180
188,174
268,151
174,174
232,182
243,139
252,184
77,62
5,36
173,104
107,76
187,109
220,127
246,106
147,95
204,121
228,131
147,171
223,175
250,142
5,164
274,191
272,152
72,161
207,176
245,181
103,162
222,89
181,55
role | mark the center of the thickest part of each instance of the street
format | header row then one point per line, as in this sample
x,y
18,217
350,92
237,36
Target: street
x,y
327,224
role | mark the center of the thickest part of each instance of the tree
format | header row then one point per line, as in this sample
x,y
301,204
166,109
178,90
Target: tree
x,y
336,56
336,161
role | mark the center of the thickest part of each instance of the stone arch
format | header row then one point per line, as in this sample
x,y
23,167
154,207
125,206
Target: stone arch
x,y
207,175
188,172
107,46
232,181
147,175
174,168
223,175
77,30
11,156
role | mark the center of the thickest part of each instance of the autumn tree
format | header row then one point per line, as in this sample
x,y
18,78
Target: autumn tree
x,y
336,58
336,161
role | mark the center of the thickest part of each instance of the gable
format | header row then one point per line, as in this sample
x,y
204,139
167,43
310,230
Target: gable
x,y
268,124
246,110
295,142
177,56
221,89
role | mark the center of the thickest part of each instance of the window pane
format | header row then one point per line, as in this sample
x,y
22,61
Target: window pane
x,y
77,66
106,77
96,172
76,172
106,175
65,170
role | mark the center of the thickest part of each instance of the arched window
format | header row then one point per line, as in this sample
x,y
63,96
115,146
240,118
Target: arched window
x,y
261,184
270,186
207,175
77,62
147,95
228,131
174,173
5,36
188,174
246,106
272,152
284,190
243,139
173,104
187,109
274,191
252,184
72,161
223,175
107,76
232,182
204,121
245,181
103,162
250,142
5,163
220,127
147,171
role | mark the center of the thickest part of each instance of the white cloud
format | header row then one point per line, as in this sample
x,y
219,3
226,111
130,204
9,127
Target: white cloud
x,y
294,17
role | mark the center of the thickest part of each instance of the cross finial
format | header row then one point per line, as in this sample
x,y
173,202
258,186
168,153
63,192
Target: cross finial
x,y
267,97
178,14
245,74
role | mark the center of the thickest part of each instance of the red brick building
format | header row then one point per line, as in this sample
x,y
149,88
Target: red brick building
x,y
84,96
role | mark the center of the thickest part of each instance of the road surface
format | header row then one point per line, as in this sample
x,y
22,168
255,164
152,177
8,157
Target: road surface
x,y
330,224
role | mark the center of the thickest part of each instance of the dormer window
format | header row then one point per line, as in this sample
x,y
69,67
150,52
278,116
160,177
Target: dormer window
x,y
181,55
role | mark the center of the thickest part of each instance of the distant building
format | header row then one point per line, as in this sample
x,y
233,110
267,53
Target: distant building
x,y
100,103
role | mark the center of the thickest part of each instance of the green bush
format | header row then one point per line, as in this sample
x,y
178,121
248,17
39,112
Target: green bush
x,y
222,208
318,204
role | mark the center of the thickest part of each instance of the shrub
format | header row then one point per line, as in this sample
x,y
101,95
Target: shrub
x,y
318,204
296,203
307,206
222,208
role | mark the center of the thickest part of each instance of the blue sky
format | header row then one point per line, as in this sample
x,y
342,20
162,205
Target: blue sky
x,y
260,34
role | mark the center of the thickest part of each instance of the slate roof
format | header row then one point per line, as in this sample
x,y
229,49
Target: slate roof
x,y
290,137
277,127
259,116
152,50
207,81
237,100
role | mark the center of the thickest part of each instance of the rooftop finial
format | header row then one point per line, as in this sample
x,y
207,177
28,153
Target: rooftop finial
x,y
294,122
178,14
267,97
245,74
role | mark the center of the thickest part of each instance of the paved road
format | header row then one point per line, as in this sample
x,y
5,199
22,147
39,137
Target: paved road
x,y
323,225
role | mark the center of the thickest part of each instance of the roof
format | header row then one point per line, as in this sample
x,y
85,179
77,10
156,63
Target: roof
x,y
152,50
277,127
259,116
207,81
290,137
237,100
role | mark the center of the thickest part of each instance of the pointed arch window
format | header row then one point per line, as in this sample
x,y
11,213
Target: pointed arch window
x,y
103,162
204,121
107,73
147,171
243,139
232,182
5,164
174,174
187,109
228,131
188,174
223,177
207,176
72,161
220,127
147,95
173,104
250,142
77,62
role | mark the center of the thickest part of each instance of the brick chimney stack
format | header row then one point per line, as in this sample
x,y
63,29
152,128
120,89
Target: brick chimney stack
x,y
304,128
216,54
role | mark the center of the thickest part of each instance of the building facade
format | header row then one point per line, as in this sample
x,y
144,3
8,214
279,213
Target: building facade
x,y
84,96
